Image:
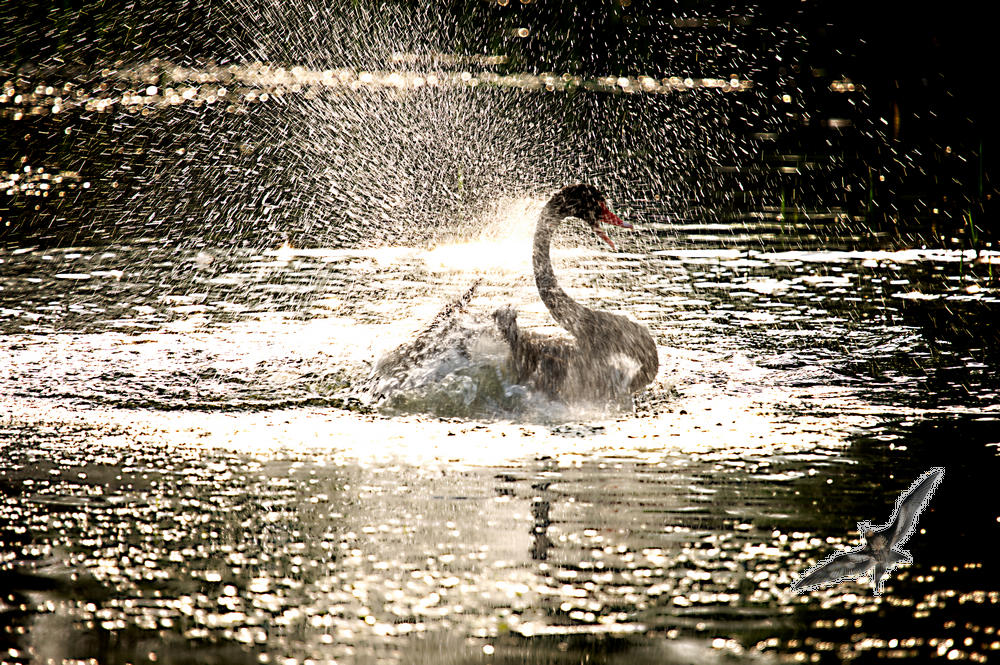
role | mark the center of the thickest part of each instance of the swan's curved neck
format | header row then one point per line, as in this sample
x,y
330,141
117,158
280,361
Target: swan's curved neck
x,y
597,333
566,311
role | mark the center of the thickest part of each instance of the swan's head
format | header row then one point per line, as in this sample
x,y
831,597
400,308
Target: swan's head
x,y
587,203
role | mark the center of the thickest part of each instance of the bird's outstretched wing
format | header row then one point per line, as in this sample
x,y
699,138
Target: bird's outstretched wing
x,y
834,569
910,505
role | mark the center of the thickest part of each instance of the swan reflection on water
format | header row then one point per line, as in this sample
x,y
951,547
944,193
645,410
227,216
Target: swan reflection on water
x,y
462,364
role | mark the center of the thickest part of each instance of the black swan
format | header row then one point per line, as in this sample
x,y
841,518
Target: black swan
x,y
610,356
609,359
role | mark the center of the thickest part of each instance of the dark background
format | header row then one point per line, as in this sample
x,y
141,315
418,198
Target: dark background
x,y
893,46
927,76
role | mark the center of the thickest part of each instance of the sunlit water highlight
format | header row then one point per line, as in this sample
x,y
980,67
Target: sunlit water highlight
x,y
235,86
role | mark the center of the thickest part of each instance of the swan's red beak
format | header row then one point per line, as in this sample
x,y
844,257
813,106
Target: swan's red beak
x,y
608,217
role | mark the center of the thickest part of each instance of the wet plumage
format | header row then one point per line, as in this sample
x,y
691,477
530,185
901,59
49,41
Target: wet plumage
x,y
609,356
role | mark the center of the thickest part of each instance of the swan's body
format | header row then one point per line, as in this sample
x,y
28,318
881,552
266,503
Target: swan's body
x,y
607,359
610,356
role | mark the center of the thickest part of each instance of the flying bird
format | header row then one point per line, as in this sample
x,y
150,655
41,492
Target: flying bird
x,y
882,545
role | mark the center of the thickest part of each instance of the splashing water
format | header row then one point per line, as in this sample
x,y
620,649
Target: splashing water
x,y
340,126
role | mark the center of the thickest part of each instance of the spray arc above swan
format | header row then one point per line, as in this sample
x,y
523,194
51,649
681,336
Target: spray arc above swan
x,y
610,356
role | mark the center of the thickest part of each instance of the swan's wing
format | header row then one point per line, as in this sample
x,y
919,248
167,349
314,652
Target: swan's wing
x,y
446,316
542,360
846,565
410,353
910,505
391,369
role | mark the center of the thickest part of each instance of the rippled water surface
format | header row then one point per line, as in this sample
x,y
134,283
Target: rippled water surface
x,y
187,473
